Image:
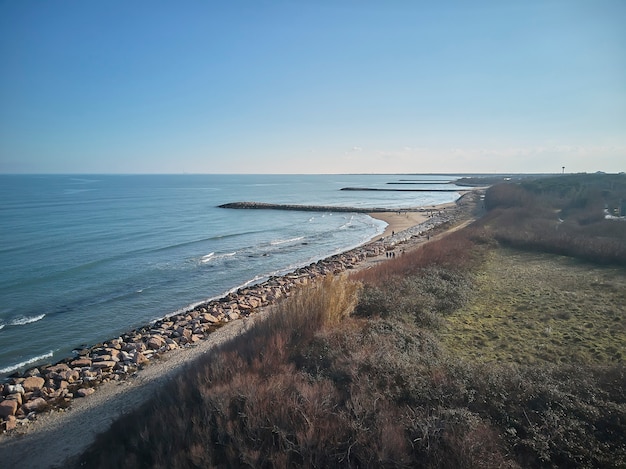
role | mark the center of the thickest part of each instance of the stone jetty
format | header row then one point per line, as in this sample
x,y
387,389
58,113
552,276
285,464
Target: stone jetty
x,y
308,208
39,389
397,190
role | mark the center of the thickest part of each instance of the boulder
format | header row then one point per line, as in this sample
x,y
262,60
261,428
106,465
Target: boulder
x,y
232,316
58,368
81,362
254,301
15,397
13,388
140,358
209,318
51,393
32,372
35,405
104,365
102,358
33,383
10,423
155,342
89,374
84,392
8,407
116,343
70,376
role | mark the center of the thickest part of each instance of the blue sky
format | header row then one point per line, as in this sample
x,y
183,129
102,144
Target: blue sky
x,y
315,86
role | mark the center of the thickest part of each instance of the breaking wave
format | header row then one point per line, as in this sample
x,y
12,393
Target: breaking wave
x,y
284,241
212,256
23,320
17,366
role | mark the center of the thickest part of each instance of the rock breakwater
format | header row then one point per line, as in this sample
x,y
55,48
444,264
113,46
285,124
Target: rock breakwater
x,y
305,208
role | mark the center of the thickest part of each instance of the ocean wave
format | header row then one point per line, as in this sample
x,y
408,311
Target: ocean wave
x,y
1,326
17,366
348,224
285,241
212,256
227,254
23,320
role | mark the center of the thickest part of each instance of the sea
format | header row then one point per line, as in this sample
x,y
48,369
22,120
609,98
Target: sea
x,y
84,258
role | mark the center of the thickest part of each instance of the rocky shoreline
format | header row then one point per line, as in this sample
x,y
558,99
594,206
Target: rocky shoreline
x,y
47,387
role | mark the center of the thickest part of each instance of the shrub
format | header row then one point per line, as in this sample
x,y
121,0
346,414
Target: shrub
x,y
422,297
507,195
561,220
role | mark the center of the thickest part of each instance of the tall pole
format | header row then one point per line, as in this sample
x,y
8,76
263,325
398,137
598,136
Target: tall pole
x,y
563,170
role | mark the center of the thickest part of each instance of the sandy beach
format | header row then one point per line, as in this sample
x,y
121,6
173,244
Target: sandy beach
x,y
403,220
59,435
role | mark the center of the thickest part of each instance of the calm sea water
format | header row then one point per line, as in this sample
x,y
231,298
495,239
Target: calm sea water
x,y
85,258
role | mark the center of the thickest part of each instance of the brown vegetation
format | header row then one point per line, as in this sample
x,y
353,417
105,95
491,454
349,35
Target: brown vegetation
x,y
560,215
316,386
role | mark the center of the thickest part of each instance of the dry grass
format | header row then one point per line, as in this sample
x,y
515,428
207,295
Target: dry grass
x,y
307,389
455,251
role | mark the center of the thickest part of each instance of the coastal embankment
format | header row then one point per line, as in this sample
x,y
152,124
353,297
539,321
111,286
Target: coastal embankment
x,y
82,395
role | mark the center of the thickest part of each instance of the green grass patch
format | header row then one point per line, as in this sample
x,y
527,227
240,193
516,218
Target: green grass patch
x,y
533,307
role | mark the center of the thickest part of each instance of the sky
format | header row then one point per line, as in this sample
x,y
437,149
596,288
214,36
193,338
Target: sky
x,y
319,86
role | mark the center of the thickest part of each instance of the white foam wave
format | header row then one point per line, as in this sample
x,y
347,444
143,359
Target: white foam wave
x,y
212,256
228,254
19,365
284,241
207,256
347,224
1,326
23,320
